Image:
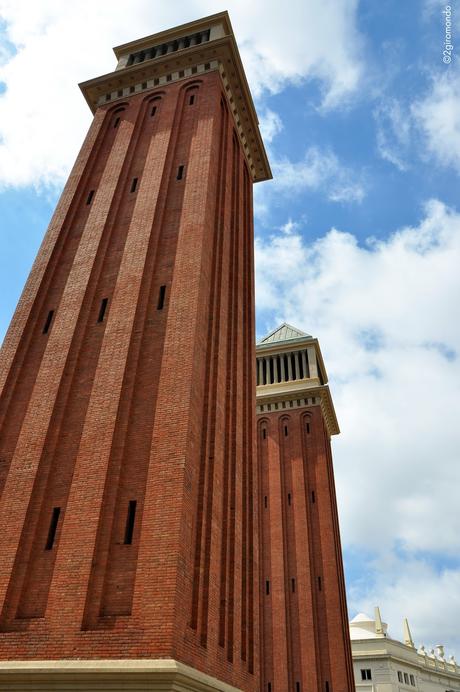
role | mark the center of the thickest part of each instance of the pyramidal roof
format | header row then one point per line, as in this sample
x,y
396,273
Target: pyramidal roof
x,y
285,332
362,617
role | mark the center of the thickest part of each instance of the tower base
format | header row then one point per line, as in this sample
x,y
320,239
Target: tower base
x,y
139,675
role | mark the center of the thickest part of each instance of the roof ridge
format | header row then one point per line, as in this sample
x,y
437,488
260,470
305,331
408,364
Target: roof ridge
x,y
284,332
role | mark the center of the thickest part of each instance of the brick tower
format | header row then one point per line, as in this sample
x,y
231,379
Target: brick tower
x,y
304,623
127,422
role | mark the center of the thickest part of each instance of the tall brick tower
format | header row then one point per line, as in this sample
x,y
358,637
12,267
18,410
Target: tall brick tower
x,y
304,632
127,425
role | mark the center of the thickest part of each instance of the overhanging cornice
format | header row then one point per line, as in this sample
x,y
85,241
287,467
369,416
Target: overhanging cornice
x,y
220,50
273,395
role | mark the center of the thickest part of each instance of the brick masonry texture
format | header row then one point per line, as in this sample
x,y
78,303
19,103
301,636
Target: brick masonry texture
x,y
304,632
153,404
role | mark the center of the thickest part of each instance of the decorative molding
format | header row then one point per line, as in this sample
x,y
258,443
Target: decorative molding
x,y
277,400
287,404
137,675
154,83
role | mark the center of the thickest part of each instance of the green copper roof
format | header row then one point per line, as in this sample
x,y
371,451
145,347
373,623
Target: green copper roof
x,y
284,332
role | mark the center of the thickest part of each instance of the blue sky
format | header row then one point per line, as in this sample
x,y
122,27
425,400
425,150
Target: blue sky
x,y
357,240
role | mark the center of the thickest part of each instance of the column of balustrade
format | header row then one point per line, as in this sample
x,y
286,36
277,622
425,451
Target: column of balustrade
x,y
297,365
304,364
260,372
283,373
289,360
267,371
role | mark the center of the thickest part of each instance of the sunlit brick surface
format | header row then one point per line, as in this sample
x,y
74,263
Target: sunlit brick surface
x,y
149,405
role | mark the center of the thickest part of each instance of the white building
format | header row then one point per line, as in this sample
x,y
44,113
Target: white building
x,y
383,664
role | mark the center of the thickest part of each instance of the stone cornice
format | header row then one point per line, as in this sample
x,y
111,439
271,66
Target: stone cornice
x,y
176,32
387,648
130,674
290,392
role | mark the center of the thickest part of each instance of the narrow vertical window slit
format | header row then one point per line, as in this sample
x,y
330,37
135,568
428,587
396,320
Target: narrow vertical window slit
x,y
129,529
102,309
53,528
49,319
161,298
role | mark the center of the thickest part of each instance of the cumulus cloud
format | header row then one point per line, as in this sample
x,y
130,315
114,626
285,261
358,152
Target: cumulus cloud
x,y
309,39
319,170
438,116
383,313
393,129
270,125
416,589
49,47
290,226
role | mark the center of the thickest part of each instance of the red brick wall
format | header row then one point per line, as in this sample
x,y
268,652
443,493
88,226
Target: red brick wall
x,y
305,638
149,405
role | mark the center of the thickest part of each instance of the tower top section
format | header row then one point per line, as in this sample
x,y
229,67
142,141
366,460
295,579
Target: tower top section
x,y
291,372
188,50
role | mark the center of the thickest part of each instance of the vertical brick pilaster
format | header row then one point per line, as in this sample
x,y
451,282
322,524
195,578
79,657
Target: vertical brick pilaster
x,y
18,323
276,577
175,440
305,633
29,448
306,584
84,505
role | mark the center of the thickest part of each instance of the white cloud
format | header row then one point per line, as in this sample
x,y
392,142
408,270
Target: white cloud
x,y
383,314
290,226
43,117
393,127
307,39
438,116
319,169
270,125
413,588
